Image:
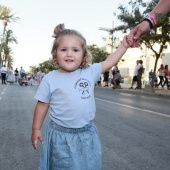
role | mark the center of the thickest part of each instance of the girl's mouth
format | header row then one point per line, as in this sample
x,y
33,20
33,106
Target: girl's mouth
x,y
69,60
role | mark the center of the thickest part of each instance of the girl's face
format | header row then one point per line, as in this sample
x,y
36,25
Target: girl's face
x,y
69,53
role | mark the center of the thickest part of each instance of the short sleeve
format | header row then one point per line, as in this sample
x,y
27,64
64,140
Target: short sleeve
x,y
43,93
96,71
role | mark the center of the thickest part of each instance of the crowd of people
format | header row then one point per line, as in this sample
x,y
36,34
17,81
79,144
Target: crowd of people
x,y
114,77
16,76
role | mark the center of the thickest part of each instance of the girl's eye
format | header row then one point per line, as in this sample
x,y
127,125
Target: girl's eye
x,y
75,50
63,49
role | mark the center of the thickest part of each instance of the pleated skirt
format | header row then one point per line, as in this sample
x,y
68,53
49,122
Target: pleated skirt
x,y
71,149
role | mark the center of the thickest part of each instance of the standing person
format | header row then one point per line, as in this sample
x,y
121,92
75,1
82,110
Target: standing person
x,y
71,141
16,75
139,76
99,82
166,76
39,76
3,74
161,75
22,72
135,74
150,76
162,8
106,78
11,76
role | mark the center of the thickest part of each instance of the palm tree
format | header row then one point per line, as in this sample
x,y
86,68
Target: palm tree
x,y
5,16
9,38
10,61
7,51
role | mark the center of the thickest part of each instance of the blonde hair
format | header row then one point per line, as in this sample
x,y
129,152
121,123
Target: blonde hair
x,y
59,32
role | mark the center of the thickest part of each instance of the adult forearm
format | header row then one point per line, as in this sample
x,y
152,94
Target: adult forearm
x,y
162,8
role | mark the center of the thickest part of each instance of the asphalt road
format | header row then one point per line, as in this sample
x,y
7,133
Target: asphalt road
x,y
134,129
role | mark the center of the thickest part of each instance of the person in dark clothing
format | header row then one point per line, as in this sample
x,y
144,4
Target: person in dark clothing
x,y
139,76
16,75
106,78
3,74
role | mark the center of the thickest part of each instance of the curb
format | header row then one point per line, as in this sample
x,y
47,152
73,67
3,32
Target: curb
x,y
125,90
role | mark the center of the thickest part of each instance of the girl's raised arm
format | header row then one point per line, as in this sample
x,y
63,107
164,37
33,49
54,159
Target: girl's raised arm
x,y
113,58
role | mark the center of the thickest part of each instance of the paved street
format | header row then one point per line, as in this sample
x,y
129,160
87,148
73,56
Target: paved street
x,y
134,128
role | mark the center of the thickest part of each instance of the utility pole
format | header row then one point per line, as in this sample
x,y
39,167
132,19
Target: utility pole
x,y
111,31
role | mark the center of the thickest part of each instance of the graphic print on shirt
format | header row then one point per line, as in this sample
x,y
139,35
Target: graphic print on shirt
x,y
83,86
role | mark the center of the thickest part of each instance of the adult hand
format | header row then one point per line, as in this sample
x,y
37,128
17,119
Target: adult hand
x,y
140,30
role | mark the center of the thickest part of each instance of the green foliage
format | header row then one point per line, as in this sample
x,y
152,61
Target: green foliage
x,y
10,37
7,50
98,55
45,67
5,14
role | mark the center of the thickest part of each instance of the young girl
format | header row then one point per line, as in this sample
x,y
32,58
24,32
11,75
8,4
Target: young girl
x,y
71,141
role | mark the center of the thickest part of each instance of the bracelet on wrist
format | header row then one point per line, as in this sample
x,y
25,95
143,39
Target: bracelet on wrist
x,y
153,19
151,23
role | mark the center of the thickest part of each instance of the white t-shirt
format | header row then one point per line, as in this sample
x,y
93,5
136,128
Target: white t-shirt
x,y
161,72
70,95
3,70
136,70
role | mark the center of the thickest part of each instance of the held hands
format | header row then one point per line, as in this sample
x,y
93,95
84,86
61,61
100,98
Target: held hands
x,y
36,135
128,41
140,30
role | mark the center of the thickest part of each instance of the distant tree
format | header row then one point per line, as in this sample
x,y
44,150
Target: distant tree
x,y
6,17
98,55
48,65
45,66
9,38
134,14
7,55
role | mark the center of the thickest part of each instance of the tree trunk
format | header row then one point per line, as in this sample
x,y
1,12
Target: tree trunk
x,y
154,72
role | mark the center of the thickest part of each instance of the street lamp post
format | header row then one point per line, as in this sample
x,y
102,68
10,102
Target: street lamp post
x,y
111,31
4,24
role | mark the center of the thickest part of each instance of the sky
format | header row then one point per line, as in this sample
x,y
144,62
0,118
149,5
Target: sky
x,y
38,19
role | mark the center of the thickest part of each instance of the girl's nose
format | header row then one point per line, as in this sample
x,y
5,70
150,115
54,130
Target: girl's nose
x,y
69,53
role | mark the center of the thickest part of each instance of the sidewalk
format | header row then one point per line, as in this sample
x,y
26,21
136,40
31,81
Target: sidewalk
x,y
125,88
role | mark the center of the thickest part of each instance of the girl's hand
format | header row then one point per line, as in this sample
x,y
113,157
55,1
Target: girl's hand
x,y
128,41
36,135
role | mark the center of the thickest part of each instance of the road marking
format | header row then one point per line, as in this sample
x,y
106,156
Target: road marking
x,y
144,110
2,92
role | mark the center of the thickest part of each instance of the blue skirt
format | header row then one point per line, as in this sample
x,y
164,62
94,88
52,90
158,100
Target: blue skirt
x,y
71,149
